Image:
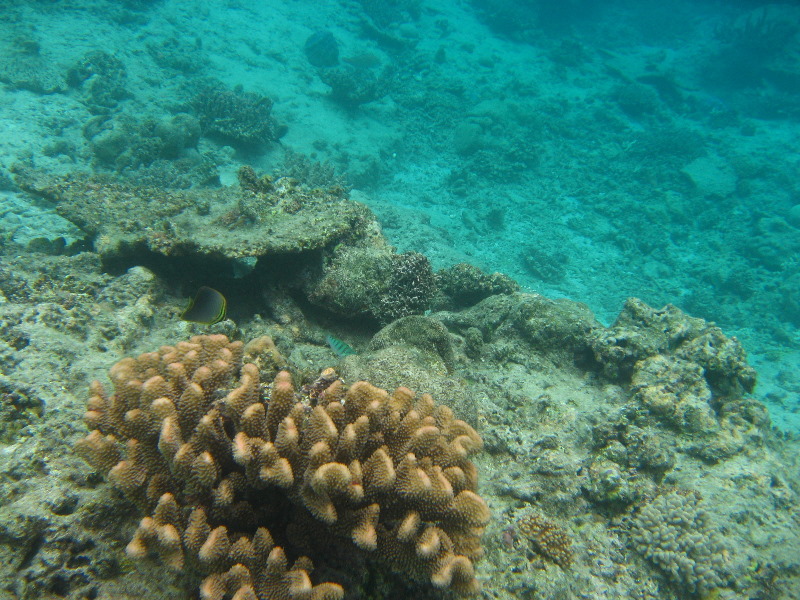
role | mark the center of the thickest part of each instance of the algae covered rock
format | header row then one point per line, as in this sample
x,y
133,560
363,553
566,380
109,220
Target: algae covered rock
x,y
723,360
610,484
19,408
465,285
102,80
374,282
237,117
641,331
421,370
322,49
521,325
352,86
225,223
122,142
24,67
676,390
711,176
419,332
686,373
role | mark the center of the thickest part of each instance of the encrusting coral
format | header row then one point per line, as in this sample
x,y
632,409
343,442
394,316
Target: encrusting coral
x,y
235,477
548,539
674,532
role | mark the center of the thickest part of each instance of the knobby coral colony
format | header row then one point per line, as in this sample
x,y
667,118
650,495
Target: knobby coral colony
x,y
233,477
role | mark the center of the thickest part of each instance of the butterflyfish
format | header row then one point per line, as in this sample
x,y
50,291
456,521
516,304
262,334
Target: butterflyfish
x,y
207,307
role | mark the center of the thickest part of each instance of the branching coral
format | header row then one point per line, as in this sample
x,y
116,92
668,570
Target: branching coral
x,y
410,288
226,470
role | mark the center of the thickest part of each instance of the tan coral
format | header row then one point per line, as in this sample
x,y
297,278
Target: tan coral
x,y
388,473
548,539
263,352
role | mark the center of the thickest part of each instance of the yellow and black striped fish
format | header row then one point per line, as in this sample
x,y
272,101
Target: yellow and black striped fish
x,y
207,307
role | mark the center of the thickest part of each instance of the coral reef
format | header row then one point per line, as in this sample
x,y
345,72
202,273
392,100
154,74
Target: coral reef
x,y
540,155
234,480
561,439
673,532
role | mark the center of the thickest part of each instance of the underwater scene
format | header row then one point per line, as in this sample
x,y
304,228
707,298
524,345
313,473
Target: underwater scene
x,y
399,299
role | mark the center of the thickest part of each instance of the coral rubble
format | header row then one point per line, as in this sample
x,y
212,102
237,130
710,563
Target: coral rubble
x,y
234,479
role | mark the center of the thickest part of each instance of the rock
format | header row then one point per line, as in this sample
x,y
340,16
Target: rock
x,y
711,176
321,49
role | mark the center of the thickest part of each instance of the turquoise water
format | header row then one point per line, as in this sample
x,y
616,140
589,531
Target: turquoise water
x,y
589,152
592,151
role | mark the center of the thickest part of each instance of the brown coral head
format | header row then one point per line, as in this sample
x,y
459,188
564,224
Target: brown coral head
x,y
219,462
548,539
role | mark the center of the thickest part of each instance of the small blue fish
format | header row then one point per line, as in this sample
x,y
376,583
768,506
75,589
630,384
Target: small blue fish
x,y
339,347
